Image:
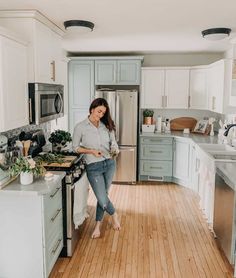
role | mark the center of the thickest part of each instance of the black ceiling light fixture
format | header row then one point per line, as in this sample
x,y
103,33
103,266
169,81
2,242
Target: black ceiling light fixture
x,y
215,34
84,24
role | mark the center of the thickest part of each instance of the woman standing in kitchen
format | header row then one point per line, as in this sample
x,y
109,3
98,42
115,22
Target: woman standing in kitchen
x,y
95,137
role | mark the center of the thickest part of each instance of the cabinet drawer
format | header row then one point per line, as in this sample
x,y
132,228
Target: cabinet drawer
x,y
156,140
52,208
53,224
156,152
156,168
53,250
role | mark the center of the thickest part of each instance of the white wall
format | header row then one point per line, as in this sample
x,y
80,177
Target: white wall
x,y
177,59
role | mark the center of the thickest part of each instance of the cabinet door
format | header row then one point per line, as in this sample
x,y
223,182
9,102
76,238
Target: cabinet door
x,y
177,88
43,53
198,89
181,160
195,166
128,72
14,90
152,90
216,86
105,72
81,90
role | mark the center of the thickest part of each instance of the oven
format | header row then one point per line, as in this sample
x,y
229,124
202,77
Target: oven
x,y
75,173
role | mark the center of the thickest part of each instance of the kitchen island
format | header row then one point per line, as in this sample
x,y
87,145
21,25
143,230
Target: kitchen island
x,y
31,233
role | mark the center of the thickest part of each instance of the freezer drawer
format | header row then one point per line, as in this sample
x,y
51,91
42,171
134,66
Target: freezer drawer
x,y
126,165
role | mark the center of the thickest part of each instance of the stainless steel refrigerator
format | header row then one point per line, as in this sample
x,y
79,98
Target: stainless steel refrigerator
x,y
124,112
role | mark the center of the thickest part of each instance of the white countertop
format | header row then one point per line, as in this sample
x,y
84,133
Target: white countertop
x,y
227,170
39,186
197,138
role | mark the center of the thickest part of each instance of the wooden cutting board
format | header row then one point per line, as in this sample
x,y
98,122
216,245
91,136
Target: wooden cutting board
x,y
182,123
68,160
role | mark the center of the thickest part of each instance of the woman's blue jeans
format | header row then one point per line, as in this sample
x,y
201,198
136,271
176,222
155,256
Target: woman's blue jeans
x,y
100,176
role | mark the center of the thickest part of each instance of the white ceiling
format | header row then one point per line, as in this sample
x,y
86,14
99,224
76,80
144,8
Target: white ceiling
x,y
139,25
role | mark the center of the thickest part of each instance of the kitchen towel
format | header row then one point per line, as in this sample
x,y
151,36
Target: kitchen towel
x,y
80,201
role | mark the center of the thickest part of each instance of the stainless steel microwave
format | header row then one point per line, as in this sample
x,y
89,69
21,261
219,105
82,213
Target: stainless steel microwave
x,y
46,102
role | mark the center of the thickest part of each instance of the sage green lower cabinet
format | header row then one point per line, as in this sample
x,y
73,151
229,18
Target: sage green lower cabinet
x,y
31,233
155,158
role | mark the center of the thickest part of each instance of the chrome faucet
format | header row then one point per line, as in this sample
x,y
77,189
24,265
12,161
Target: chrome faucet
x,y
228,128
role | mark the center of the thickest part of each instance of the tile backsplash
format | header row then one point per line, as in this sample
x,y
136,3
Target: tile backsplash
x,y
46,127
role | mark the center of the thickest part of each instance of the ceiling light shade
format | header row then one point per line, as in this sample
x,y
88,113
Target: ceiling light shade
x,y
83,25
216,33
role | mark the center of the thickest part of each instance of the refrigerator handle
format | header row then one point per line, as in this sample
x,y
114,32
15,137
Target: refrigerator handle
x,y
117,123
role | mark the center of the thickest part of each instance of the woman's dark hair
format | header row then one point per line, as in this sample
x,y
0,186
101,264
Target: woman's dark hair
x,y
106,119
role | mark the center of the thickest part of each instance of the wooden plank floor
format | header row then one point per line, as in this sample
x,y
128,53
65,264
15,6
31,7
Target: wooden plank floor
x,y
164,234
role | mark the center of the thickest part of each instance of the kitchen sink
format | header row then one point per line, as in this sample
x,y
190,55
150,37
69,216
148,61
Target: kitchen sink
x,y
220,152
216,148
225,157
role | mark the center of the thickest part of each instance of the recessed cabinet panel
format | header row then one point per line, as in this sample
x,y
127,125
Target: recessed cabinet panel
x,y
81,76
198,89
177,88
152,88
156,152
13,94
181,169
156,168
128,72
105,72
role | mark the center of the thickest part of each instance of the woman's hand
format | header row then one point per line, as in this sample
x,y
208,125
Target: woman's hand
x,y
96,153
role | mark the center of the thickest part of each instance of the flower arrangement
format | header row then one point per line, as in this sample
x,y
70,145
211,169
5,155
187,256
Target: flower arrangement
x,y
26,164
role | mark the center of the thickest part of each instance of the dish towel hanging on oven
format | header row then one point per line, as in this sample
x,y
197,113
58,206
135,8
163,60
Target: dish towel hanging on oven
x,y
80,201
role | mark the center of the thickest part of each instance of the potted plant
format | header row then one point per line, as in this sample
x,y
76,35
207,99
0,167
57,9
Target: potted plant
x,y
148,116
59,139
26,167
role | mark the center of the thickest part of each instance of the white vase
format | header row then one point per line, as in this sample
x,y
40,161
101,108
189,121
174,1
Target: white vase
x,y
26,178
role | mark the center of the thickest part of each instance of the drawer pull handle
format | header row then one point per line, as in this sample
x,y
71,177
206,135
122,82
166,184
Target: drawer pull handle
x,y
155,167
55,216
155,151
155,140
56,247
52,195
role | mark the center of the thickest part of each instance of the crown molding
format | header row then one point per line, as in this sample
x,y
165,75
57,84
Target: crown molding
x,y
34,14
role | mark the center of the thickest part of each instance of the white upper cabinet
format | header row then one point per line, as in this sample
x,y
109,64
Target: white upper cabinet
x,y
198,88
176,88
215,82
164,88
47,54
152,88
13,83
44,39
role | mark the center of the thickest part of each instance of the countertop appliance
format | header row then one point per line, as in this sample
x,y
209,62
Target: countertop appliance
x,y
46,102
124,112
75,169
224,223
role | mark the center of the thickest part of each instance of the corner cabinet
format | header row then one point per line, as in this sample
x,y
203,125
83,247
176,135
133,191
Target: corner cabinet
x,y
117,72
216,86
155,162
31,234
13,83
